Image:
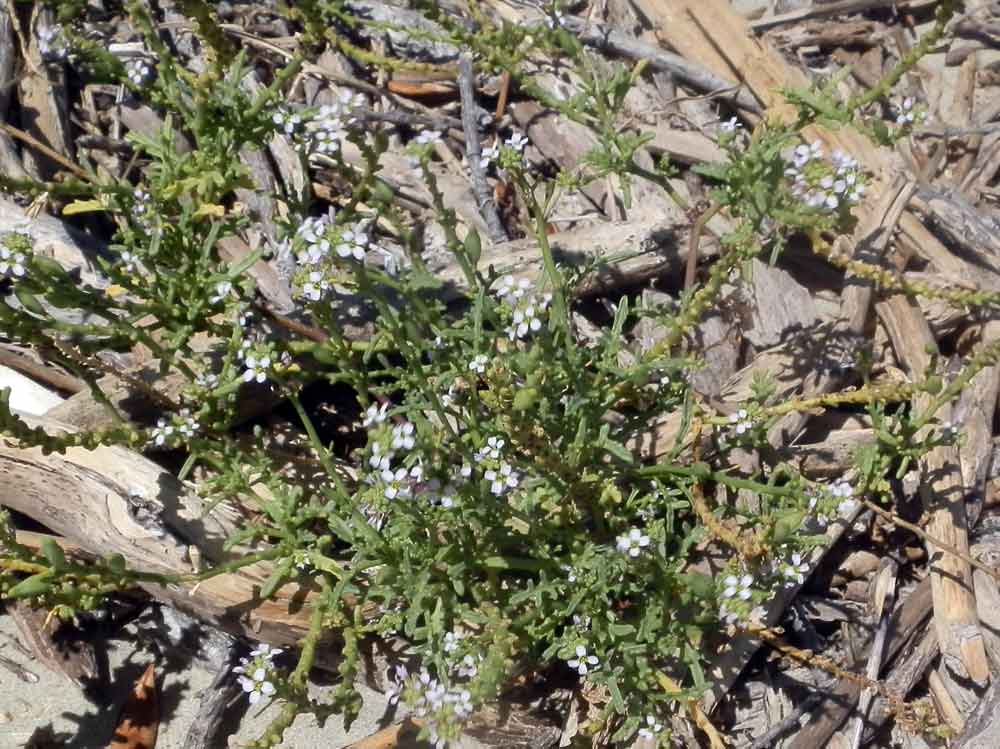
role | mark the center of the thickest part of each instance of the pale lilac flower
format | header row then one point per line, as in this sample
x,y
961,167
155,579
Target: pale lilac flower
x,y
428,137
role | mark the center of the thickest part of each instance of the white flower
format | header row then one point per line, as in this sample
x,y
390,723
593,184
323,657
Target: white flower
x,y
256,369
741,421
189,425
12,262
488,156
478,363
266,651
517,141
795,570
375,414
257,686
731,125
52,44
556,19
583,663
906,114
738,587
138,71
451,642
652,727
354,242
428,137
380,461
502,480
491,450
402,436
633,542
396,483
162,432
468,668
317,285
222,290
287,120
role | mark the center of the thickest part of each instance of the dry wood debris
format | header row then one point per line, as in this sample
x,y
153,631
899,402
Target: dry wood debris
x,y
923,624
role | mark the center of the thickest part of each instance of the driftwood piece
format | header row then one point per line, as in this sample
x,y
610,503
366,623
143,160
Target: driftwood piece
x,y
44,105
40,633
906,621
680,66
10,159
982,729
941,491
112,500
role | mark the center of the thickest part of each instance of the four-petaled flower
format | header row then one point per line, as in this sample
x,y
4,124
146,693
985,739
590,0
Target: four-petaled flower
x,y
583,663
738,587
257,685
256,368
633,542
478,363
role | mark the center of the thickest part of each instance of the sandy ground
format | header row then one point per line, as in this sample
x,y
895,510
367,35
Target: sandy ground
x,y
78,723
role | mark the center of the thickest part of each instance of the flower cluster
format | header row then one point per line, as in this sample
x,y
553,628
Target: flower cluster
x,y
16,247
254,674
142,208
170,433
443,708
908,113
52,44
741,421
524,305
333,122
491,153
287,120
138,71
827,186
652,727
498,471
737,588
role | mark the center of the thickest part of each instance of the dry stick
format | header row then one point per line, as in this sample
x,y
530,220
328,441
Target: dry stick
x,y
833,9
606,39
896,520
692,259
885,595
41,147
41,372
473,152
